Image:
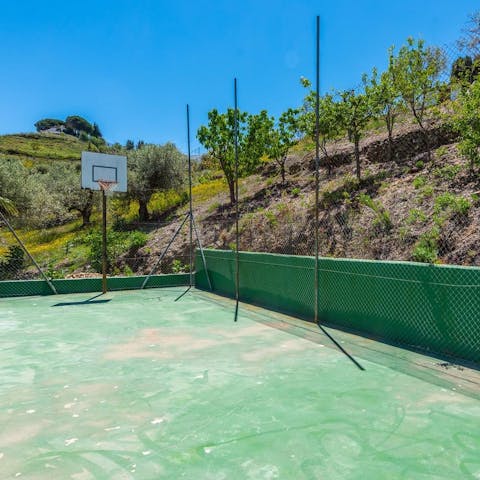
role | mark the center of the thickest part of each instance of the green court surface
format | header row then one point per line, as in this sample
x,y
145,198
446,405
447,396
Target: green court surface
x,y
151,384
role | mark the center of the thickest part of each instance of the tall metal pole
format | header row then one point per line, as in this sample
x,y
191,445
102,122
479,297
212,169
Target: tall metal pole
x,y
104,241
237,263
190,196
317,164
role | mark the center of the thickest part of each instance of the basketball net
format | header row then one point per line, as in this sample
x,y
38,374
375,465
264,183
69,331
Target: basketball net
x,y
107,186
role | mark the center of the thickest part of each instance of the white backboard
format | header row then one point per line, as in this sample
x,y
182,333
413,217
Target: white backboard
x,y
100,166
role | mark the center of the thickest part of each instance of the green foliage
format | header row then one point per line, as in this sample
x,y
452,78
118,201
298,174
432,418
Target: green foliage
x,y
253,138
416,70
452,203
282,137
419,181
465,69
382,220
385,99
136,240
47,123
466,122
416,216
117,244
179,267
295,192
448,172
207,190
329,125
12,263
354,111
426,191
153,168
41,146
420,164
441,151
426,249
7,206
78,124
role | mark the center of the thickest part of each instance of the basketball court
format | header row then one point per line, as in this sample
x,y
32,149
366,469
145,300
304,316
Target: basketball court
x,y
162,383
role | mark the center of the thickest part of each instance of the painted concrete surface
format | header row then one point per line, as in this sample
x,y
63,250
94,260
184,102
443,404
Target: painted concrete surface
x,y
147,385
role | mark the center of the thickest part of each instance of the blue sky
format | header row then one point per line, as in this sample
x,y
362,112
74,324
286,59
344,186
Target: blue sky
x,y
132,66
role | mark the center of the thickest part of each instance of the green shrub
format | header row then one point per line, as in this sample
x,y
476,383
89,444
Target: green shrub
x,y
419,181
420,164
415,215
382,220
14,262
426,249
448,172
136,240
449,201
118,243
179,267
441,151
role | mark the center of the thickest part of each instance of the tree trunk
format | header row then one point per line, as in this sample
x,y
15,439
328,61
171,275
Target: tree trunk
x,y
282,171
142,210
390,140
231,188
357,157
86,213
87,210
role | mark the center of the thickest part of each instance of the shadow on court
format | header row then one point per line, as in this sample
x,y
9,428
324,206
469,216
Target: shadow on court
x,y
89,301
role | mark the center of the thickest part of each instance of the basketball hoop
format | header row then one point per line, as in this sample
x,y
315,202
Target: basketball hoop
x,y
107,186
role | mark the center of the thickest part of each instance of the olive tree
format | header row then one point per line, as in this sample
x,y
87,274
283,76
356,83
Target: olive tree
x,y
153,168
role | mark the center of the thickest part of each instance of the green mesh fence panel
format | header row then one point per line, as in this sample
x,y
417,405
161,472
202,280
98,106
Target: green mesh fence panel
x,y
19,288
431,307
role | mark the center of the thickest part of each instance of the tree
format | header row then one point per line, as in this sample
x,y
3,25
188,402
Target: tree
x,y
78,124
47,123
329,124
96,131
153,168
218,138
354,112
386,101
283,136
471,39
129,145
465,69
416,70
140,144
466,122
256,142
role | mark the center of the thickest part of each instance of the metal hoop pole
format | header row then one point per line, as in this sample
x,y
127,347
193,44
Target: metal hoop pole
x,y
104,242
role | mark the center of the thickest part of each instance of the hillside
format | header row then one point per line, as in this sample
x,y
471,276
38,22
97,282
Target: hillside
x,y
41,146
409,208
